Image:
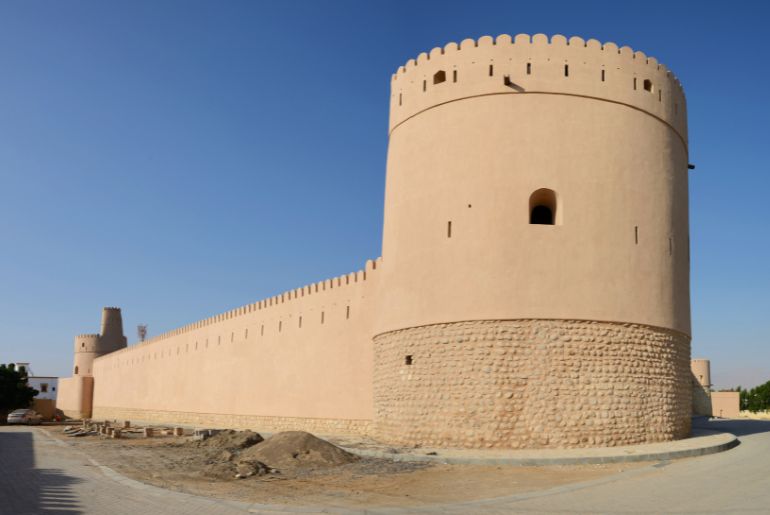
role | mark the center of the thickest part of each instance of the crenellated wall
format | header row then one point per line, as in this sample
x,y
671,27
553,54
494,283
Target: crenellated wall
x,y
299,360
537,65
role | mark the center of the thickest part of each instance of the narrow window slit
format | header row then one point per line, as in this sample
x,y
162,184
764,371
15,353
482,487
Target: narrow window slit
x,y
424,85
347,312
529,68
566,70
636,234
399,99
300,322
634,83
602,75
449,229
454,75
491,70
322,317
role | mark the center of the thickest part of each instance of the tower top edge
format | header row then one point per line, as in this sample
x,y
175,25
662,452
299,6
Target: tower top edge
x,y
554,43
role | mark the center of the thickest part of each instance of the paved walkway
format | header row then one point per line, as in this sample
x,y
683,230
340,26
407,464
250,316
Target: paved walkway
x,y
702,442
40,475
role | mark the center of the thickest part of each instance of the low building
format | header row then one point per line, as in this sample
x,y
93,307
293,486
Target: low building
x,y
47,386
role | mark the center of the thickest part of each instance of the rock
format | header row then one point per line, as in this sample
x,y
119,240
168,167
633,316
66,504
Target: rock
x,y
252,468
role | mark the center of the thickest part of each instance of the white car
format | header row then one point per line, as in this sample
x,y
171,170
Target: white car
x,y
24,416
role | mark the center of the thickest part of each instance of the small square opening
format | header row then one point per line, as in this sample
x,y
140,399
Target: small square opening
x,y
408,359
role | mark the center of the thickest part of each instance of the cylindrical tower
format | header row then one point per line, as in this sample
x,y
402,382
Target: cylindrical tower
x,y
112,337
535,248
701,369
86,349
91,346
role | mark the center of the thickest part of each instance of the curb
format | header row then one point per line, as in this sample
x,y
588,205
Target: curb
x,y
709,444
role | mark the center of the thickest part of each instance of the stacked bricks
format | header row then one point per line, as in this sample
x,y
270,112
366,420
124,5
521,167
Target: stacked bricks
x,y
531,384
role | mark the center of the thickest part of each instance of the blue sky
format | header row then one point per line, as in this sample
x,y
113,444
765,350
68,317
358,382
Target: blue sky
x,y
181,158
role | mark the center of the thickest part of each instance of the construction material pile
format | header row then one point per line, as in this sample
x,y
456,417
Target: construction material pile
x,y
242,454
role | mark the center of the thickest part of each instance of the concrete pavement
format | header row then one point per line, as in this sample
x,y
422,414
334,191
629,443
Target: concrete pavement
x,y
43,476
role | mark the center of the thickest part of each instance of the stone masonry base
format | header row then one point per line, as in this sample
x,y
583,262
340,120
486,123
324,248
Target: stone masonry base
x,y
216,420
531,384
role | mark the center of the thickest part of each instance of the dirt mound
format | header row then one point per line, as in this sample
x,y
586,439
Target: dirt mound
x,y
230,440
292,450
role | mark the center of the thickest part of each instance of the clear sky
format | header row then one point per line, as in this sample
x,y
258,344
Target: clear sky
x,y
181,158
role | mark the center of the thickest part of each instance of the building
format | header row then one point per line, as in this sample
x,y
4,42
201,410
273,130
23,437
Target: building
x,y
705,401
45,401
533,289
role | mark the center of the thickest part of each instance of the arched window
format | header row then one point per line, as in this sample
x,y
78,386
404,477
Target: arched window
x,y
544,208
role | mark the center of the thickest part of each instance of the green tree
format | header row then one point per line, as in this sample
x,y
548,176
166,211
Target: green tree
x,y
14,391
756,399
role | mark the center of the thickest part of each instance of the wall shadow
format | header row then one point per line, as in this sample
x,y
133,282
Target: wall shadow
x,y
27,490
742,427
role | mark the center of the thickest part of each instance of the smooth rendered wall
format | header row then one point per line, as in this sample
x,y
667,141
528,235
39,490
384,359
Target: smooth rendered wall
x,y
75,396
511,118
301,360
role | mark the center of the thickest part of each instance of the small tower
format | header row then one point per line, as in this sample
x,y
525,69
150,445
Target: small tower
x,y
90,346
701,387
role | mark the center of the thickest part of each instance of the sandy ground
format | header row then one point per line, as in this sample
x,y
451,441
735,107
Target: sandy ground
x,y
171,462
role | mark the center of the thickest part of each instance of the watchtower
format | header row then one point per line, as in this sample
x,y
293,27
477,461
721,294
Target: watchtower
x,y
91,346
535,248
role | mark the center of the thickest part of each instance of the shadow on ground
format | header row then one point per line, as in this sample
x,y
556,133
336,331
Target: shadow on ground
x,y
737,427
25,489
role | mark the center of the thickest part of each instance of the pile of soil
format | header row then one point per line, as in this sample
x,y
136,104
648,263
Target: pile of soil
x,y
292,450
230,440
240,454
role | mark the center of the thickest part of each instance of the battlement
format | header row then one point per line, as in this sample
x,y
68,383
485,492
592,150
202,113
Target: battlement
x,y
538,65
334,283
90,335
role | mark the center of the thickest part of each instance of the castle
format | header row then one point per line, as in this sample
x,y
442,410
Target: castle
x,y
533,289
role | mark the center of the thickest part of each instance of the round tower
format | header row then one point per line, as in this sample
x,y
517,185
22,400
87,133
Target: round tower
x,y
90,346
112,337
86,350
701,369
535,248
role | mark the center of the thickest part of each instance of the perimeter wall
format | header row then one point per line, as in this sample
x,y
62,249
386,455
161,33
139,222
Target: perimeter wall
x,y
300,360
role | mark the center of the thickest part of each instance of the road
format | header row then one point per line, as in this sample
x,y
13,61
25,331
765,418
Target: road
x,y
39,475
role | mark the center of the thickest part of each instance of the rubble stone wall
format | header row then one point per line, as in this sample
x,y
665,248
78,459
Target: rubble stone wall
x,y
531,384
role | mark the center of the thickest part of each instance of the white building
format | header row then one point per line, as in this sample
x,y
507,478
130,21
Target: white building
x,y
46,385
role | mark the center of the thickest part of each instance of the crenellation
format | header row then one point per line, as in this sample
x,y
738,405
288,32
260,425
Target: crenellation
x,y
417,92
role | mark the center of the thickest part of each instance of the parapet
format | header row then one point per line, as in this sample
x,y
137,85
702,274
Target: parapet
x,y
87,343
360,276
526,65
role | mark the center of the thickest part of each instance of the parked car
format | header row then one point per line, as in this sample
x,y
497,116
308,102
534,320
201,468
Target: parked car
x,y
24,416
